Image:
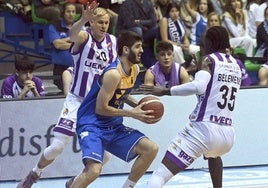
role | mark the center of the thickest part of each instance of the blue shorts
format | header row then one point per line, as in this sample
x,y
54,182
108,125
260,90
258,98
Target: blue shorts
x,y
118,140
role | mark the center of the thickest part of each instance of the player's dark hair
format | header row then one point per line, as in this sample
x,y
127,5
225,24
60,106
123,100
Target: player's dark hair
x,y
164,46
24,63
216,40
127,38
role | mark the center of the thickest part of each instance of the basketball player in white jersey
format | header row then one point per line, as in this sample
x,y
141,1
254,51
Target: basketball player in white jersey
x,y
92,51
209,131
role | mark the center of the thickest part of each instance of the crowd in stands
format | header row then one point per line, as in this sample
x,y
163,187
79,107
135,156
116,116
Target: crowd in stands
x,y
179,22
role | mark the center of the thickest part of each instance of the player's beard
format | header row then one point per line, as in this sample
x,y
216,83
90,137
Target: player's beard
x,y
132,57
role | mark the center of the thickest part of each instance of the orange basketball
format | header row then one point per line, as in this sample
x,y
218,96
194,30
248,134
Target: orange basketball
x,y
153,103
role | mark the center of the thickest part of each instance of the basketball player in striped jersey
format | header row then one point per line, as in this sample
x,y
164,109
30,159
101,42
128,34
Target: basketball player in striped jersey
x,y
92,51
210,129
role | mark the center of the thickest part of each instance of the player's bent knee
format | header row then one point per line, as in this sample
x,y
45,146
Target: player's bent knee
x,y
56,148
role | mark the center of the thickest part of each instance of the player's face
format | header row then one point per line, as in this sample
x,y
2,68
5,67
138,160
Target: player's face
x,y
174,13
24,75
100,26
135,53
165,58
69,13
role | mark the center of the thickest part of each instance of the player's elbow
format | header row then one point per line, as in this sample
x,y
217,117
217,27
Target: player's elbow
x,y
201,86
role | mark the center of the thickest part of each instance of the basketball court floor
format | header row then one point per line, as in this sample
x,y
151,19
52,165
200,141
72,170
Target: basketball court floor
x,y
239,177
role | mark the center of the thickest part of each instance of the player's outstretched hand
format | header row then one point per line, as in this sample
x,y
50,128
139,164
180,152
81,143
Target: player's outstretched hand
x,y
88,12
153,90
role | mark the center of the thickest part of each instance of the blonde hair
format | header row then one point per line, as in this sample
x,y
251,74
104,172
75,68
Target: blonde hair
x,y
99,11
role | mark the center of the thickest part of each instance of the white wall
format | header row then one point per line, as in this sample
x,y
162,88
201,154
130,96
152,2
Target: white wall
x,y
24,126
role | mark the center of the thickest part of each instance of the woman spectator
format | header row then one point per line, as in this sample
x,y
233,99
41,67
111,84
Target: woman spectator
x,y
199,17
173,30
235,21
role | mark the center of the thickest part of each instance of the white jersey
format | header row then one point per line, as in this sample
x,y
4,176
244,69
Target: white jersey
x,y
217,103
90,61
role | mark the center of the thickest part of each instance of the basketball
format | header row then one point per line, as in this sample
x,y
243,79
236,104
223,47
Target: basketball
x,y
154,104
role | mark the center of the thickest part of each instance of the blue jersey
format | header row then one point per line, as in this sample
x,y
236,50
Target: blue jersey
x,y
86,113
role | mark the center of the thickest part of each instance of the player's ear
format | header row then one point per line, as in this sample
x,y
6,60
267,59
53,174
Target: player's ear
x,y
126,50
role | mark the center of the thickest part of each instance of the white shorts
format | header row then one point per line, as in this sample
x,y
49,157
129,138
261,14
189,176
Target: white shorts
x,y
68,117
197,138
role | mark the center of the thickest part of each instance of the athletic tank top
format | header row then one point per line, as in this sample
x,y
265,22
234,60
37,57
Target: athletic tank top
x,y
89,62
86,113
218,102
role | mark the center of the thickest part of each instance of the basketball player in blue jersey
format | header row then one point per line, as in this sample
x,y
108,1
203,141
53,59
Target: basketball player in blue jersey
x,y
100,118
209,131
92,51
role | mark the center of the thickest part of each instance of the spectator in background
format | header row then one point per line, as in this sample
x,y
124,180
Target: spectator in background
x,y
262,48
262,37
173,30
48,9
235,21
60,40
112,6
218,6
263,75
23,83
139,16
166,72
252,8
199,17
260,12
160,7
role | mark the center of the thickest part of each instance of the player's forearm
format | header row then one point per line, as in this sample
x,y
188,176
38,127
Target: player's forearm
x,y
197,86
76,28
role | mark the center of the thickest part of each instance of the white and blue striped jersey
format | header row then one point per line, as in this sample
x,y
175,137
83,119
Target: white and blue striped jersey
x,y
89,62
218,102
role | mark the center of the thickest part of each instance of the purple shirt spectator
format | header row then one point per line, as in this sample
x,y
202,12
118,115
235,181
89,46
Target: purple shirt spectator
x,y
12,89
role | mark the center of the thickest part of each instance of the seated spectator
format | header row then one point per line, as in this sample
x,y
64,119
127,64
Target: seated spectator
x,y
139,16
199,17
23,83
184,14
252,8
59,38
235,21
260,12
48,9
166,72
263,75
160,7
173,30
262,37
